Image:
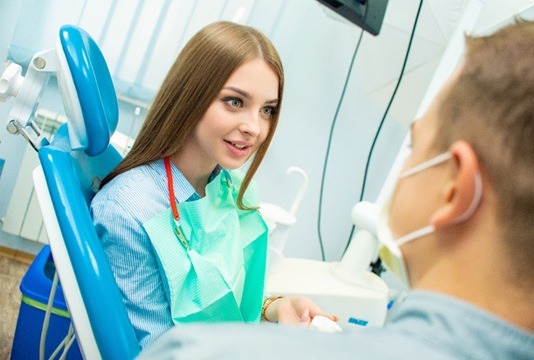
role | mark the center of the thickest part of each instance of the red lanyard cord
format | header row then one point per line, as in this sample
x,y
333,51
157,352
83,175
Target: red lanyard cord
x,y
170,184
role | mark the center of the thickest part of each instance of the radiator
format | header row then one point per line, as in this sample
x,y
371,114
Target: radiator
x,y
23,217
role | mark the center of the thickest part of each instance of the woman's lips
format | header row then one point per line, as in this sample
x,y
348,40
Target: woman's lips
x,y
238,148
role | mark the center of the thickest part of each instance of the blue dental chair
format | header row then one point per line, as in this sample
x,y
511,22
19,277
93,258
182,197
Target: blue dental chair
x,y
71,167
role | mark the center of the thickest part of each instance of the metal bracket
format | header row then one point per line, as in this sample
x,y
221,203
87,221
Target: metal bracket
x,y
14,127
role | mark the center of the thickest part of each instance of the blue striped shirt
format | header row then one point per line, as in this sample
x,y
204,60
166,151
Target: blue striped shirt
x,y
119,210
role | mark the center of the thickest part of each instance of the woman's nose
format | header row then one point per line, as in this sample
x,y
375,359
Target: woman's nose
x,y
251,123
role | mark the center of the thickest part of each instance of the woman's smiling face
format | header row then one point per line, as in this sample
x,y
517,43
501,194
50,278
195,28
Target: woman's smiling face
x,y
238,120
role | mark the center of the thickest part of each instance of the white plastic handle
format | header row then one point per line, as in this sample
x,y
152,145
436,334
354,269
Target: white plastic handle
x,y
302,191
10,82
365,216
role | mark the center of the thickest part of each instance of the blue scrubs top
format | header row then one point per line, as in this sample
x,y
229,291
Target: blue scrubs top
x,y
425,325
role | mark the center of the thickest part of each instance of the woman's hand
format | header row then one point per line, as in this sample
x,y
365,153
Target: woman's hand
x,y
294,310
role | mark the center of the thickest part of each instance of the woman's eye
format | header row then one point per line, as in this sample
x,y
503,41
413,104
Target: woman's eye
x,y
233,102
268,111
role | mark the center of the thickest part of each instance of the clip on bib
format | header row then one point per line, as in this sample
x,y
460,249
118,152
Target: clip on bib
x,y
177,228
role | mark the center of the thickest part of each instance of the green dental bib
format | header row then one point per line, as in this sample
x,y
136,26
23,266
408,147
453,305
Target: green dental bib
x,y
222,275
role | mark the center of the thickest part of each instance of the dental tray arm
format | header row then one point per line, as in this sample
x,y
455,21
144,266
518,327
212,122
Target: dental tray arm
x,y
27,91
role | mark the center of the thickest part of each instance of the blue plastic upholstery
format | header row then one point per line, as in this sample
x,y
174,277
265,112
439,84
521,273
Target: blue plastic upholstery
x,y
94,85
112,329
73,177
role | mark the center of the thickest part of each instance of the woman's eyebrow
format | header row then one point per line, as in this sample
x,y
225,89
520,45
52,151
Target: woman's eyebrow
x,y
239,91
246,95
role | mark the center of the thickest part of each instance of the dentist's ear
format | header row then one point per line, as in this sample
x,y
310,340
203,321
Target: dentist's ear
x,y
462,194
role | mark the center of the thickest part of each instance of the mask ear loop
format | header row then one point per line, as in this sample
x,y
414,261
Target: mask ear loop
x,y
425,165
414,235
416,169
466,215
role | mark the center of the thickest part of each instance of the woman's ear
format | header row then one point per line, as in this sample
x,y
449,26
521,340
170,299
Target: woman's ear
x,y
461,191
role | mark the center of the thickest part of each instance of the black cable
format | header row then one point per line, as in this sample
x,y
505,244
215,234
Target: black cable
x,y
330,140
362,193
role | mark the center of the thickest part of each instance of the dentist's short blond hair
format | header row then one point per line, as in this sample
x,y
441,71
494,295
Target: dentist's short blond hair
x,y
490,104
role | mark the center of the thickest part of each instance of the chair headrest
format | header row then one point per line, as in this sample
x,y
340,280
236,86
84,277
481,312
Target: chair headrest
x,y
87,91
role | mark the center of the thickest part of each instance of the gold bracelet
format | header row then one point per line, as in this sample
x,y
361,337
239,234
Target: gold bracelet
x,y
266,304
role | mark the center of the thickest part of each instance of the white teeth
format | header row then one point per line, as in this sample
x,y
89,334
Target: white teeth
x,y
240,147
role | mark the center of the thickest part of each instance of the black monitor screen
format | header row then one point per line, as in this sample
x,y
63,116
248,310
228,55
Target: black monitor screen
x,y
367,14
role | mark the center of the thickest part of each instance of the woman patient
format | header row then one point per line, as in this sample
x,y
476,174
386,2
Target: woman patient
x,y
177,220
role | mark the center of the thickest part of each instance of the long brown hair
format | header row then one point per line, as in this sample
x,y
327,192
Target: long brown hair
x,y
192,84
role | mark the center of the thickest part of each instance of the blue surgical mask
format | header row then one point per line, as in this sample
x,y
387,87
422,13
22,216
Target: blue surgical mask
x,y
389,248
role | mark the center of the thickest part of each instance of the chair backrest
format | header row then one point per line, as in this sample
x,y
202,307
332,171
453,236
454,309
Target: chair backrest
x,y
72,166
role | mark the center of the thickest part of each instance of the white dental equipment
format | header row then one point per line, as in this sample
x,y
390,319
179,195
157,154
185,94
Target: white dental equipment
x,y
358,296
346,288
27,90
280,221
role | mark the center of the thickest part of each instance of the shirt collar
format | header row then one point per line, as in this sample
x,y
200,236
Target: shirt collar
x,y
183,190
